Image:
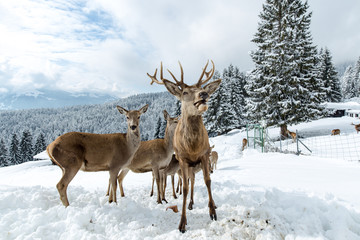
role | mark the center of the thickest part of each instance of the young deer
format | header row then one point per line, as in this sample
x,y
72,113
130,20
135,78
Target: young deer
x,y
357,127
292,135
191,140
335,132
213,159
152,155
244,144
90,152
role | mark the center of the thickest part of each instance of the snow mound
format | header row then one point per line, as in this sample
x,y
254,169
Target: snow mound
x,y
244,212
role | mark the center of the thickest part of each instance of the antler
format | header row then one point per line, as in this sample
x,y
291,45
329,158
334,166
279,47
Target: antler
x,y
154,79
180,83
208,74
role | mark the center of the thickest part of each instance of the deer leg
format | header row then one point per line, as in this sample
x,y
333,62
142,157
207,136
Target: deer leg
x,y
205,168
113,185
120,180
173,185
163,177
181,185
178,185
68,175
152,185
185,174
192,180
157,178
108,190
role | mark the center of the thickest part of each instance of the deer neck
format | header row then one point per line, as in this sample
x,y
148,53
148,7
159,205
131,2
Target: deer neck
x,y
192,124
168,138
133,139
191,128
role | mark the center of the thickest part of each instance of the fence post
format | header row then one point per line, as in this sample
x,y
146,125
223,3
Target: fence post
x,y
297,144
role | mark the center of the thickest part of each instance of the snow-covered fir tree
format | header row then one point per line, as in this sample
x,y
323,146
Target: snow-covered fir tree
x,y
356,78
347,82
350,82
226,105
329,77
238,96
3,154
40,144
14,151
176,112
220,116
26,147
282,86
158,130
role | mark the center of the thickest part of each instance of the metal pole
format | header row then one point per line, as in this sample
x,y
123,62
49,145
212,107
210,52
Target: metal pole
x,y
297,144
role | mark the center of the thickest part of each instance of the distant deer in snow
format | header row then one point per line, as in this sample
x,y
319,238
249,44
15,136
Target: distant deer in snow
x,y
357,127
292,135
335,132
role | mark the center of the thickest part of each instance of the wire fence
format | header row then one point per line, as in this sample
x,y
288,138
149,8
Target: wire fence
x,y
345,146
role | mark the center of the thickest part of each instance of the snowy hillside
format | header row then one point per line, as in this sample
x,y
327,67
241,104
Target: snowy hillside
x,y
258,196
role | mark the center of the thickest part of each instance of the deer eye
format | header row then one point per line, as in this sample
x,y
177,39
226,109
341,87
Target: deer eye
x,y
127,118
139,117
185,93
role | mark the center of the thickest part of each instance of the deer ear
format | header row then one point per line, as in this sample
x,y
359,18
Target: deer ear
x,y
144,109
172,88
211,87
122,110
166,115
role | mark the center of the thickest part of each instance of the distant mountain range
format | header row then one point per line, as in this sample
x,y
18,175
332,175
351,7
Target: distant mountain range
x,y
50,99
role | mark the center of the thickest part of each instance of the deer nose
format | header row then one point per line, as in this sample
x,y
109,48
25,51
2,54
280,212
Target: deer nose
x,y
204,95
133,127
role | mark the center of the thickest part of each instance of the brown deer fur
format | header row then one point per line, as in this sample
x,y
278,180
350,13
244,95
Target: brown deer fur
x,y
335,132
244,144
191,141
213,159
357,127
292,135
90,152
153,155
171,170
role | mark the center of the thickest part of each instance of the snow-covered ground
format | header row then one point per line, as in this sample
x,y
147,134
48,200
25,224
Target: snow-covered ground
x,y
258,196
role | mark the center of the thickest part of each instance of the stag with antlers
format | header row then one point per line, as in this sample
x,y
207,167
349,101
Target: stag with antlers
x,y
191,140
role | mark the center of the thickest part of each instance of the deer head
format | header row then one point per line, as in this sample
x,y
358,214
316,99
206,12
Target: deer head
x,y
194,97
132,117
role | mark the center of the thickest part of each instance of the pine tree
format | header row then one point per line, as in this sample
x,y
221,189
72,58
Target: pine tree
x,y
40,144
157,133
283,85
356,79
346,83
162,129
3,154
26,148
329,77
211,115
177,109
238,96
14,152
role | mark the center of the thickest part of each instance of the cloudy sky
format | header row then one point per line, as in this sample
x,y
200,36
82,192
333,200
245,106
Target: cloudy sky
x,y
107,46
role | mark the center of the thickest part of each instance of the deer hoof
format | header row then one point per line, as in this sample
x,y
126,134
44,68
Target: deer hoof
x,y
213,217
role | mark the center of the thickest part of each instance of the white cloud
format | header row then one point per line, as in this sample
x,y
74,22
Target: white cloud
x,y
109,46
